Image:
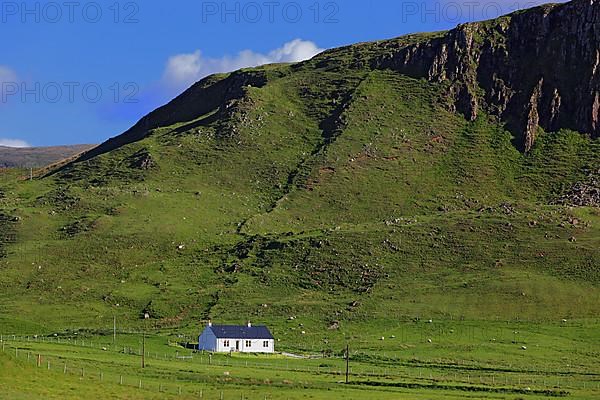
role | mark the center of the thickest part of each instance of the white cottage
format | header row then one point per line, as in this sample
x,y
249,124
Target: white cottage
x,y
236,338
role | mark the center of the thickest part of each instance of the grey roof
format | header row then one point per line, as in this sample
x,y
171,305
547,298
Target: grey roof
x,y
241,332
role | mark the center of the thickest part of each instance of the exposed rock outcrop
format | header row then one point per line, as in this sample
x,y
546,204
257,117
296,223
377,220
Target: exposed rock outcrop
x,y
533,116
585,193
142,160
534,69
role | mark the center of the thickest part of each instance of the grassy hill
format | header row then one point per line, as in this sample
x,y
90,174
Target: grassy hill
x,y
337,200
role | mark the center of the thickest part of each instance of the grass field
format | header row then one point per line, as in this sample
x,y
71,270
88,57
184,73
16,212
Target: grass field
x,y
406,365
416,359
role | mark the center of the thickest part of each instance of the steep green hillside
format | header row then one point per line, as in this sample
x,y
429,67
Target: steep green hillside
x,y
392,179
349,192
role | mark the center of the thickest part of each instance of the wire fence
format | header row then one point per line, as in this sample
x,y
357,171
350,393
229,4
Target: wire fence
x,y
72,369
23,348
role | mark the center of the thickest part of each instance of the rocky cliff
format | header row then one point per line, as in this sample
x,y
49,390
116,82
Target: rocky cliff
x,y
533,69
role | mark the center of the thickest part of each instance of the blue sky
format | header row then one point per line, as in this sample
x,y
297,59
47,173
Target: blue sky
x,y
83,71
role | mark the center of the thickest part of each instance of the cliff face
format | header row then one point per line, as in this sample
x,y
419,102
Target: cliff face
x,y
532,69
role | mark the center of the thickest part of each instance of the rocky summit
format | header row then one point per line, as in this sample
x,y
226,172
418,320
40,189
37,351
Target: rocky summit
x,y
532,69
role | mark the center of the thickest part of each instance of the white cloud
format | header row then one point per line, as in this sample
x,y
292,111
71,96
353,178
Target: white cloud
x,y
7,75
18,143
184,69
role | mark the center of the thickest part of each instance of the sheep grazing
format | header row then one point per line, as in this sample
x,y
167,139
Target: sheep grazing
x,y
429,340
382,338
523,347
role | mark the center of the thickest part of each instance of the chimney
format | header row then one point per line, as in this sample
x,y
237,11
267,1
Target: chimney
x,y
249,324
209,323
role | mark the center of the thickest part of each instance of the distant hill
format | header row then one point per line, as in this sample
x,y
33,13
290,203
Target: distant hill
x,y
36,157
